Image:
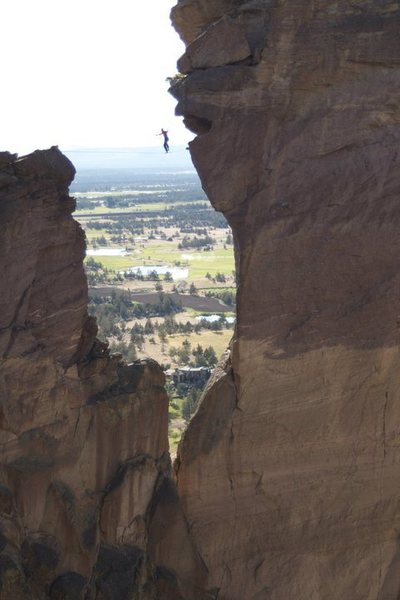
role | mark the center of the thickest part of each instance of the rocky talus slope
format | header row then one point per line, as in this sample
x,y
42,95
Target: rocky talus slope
x,y
84,446
289,473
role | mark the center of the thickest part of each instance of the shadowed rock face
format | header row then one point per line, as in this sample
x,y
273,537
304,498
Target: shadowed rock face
x,y
289,472
84,443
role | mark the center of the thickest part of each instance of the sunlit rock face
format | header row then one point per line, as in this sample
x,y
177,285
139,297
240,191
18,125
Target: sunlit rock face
x,y
289,473
84,444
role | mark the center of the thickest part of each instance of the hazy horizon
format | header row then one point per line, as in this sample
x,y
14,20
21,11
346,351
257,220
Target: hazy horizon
x,y
139,158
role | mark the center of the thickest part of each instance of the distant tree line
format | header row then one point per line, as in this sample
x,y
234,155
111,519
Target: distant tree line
x,y
197,216
121,308
227,296
195,242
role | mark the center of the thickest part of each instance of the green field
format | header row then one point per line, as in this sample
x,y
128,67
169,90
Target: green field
x,y
218,260
113,193
151,206
188,221
95,233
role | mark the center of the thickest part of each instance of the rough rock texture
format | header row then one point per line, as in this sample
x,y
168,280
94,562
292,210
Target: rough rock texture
x,y
84,446
289,473
207,51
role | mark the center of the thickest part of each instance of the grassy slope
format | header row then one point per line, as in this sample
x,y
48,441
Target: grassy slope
x,y
219,340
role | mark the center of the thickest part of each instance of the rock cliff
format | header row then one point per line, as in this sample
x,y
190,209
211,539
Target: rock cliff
x,y
288,474
287,478
84,445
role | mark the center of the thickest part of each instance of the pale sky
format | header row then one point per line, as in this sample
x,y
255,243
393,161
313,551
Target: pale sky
x,y
87,73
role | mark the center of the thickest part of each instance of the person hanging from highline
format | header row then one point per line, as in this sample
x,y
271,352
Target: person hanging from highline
x,y
166,139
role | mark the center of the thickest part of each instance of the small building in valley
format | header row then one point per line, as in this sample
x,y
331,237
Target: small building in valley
x,y
189,374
